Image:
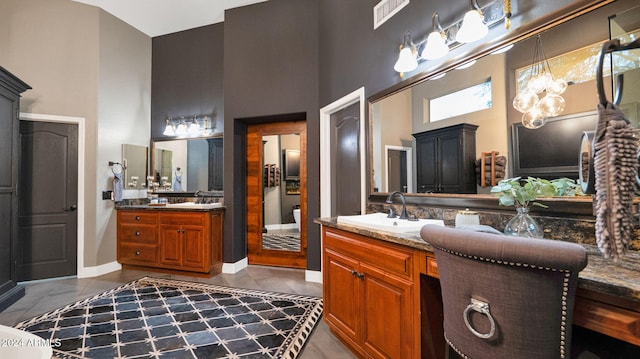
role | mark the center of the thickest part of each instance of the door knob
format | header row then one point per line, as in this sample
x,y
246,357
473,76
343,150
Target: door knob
x,y
72,208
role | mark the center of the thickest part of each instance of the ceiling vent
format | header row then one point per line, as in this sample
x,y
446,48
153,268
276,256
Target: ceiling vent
x,y
386,9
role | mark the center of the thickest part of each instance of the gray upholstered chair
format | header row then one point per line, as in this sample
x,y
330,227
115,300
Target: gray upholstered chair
x,y
505,296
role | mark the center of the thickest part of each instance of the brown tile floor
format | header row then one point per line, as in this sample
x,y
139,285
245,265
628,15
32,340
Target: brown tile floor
x,y
43,296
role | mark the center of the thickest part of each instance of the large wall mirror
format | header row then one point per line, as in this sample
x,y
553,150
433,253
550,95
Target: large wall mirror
x,y
396,114
188,165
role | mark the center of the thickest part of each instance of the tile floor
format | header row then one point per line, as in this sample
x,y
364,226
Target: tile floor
x,y
43,296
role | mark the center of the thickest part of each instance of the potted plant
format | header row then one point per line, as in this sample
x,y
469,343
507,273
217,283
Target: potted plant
x,y
523,193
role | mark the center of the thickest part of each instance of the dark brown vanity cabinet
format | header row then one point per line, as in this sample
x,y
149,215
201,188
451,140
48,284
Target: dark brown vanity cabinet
x,y
445,159
10,89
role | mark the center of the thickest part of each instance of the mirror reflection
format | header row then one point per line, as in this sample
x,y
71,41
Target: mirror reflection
x,y
188,165
135,163
281,192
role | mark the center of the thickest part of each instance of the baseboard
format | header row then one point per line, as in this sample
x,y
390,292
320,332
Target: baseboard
x,y
313,276
232,268
278,227
88,272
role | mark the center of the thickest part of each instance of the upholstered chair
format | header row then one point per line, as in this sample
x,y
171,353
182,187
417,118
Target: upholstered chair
x,y
506,296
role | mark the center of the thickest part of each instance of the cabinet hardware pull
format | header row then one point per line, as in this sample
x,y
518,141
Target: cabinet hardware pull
x,y
138,234
353,272
360,275
137,218
137,253
179,231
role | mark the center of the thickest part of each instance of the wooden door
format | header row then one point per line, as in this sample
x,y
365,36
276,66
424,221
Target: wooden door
x,y
450,167
47,201
170,244
342,295
388,331
426,156
193,238
345,157
258,253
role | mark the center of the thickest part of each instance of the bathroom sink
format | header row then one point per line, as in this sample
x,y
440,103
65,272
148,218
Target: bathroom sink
x,y
379,221
192,205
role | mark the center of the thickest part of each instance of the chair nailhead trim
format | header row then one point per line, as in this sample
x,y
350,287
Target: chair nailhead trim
x,y
565,291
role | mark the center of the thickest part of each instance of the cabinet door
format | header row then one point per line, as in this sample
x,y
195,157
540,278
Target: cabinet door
x,y
171,245
427,165
449,160
193,238
341,293
388,329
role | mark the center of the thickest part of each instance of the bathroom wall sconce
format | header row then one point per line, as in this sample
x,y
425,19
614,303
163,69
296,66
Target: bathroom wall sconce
x,y
196,126
441,40
407,60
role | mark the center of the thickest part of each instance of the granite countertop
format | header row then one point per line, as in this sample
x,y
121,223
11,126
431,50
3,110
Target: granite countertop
x,y
186,208
621,279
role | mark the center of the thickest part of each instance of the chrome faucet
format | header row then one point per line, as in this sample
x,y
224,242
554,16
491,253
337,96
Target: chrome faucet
x,y
403,214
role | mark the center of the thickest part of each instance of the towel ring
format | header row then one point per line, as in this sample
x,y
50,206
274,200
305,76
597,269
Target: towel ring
x,y
116,167
481,307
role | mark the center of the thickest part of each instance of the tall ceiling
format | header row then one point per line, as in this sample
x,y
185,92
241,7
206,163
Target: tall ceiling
x,y
160,17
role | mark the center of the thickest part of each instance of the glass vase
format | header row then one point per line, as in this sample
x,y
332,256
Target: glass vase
x,y
523,225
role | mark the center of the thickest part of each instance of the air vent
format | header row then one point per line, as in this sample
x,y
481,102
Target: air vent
x,y
386,9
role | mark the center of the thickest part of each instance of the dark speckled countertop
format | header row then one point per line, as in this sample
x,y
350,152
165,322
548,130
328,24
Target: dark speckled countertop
x,y
144,207
621,279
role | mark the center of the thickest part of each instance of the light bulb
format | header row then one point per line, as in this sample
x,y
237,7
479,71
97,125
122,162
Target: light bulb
x,y
525,101
538,83
473,28
533,119
168,130
557,86
551,105
193,129
407,61
435,47
181,129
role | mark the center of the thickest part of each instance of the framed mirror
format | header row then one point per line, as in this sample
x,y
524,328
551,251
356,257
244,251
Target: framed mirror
x,y
135,161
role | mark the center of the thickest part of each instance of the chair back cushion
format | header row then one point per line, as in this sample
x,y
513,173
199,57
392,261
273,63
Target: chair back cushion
x,y
528,284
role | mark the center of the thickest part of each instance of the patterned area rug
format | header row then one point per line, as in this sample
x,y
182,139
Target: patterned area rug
x,y
162,318
281,241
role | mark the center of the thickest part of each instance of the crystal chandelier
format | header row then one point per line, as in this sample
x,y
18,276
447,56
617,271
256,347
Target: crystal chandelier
x,y
536,110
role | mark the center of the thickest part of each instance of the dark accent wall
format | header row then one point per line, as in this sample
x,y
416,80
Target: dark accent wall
x,y
186,76
270,70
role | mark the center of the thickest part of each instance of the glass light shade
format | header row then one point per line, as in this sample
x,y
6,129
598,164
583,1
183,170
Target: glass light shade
x,y
181,129
168,130
557,86
473,28
539,83
525,101
533,119
436,46
407,61
193,129
551,105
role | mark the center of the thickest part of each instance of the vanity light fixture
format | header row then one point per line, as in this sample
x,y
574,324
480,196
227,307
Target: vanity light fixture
x,y
407,60
473,27
535,110
168,129
436,46
198,126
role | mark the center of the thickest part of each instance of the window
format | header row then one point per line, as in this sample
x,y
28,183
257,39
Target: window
x,y
468,100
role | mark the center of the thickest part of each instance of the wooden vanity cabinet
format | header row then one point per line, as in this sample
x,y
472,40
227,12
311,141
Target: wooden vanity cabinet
x,y
369,295
177,240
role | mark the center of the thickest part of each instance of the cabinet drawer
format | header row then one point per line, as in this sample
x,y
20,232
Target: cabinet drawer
x,y
137,253
198,219
390,258
138,233
137,217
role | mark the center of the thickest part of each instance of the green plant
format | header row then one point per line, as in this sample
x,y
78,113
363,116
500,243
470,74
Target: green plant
x,y
523,192
567,187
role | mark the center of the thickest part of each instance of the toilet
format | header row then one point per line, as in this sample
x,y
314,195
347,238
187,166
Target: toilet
x,y
296,217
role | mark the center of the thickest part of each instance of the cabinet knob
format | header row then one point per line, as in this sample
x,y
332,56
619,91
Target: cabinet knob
x,y
137,218
137,253
353,272
360,275
137,234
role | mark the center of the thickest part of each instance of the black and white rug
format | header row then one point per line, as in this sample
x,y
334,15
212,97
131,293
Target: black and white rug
x,y
163,318
281,241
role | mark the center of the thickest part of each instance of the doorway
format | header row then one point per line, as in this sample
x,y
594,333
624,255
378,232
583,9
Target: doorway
x,y
276,194
398,172
47,201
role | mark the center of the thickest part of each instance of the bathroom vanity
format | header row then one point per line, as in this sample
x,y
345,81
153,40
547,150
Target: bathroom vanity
x,y
382,293
184,238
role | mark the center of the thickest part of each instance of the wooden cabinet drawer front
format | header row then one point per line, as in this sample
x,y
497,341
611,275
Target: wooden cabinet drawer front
x,y
432,267
137,253
198,219
137,217
386,256
138,233
607,319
